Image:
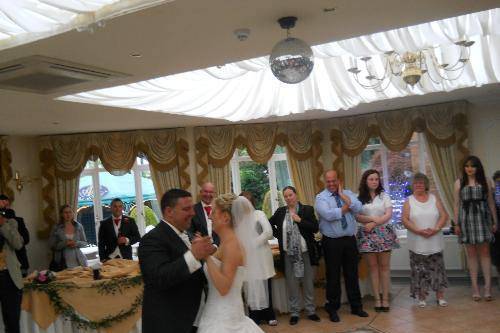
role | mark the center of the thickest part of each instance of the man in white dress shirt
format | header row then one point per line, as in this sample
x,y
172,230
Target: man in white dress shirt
x,y
171,268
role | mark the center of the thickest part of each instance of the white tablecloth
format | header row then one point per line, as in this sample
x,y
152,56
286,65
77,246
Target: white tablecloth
x,y
59,326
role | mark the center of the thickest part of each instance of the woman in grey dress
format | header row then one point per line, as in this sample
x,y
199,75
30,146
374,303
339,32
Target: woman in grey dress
x,y
475,214
66,239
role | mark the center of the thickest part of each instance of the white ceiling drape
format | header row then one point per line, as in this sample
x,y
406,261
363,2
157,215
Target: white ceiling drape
x,y
25,21
248,90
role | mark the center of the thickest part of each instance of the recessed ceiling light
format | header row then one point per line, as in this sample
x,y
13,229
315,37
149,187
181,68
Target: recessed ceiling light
x,y
135,55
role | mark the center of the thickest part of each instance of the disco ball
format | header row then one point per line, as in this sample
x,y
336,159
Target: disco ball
x,y
291,60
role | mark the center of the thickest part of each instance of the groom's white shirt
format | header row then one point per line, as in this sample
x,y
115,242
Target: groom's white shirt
x,y
192,263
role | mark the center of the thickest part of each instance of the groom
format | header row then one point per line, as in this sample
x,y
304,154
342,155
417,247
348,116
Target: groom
x,y
171,268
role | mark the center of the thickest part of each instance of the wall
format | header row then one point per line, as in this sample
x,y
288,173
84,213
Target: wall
x,y
484,134
27,202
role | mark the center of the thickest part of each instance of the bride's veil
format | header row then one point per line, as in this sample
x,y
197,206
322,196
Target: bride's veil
x,y
244,223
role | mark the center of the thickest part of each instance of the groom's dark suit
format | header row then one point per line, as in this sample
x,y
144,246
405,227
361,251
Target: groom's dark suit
x,y
171,294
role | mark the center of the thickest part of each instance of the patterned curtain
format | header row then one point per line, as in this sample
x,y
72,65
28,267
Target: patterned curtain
x,y
216,145
63,157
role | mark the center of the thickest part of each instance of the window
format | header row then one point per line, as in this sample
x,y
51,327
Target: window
x,y
397,169
265,181
134,188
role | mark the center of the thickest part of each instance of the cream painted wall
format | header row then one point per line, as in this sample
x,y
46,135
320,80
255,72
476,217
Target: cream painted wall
x,y
484,134
27,202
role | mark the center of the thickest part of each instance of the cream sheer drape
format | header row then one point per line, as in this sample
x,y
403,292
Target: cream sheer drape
x,y
352,172
220,177
302,173
25,21
164,181
63,157
444,176
66,193
216,145
246,90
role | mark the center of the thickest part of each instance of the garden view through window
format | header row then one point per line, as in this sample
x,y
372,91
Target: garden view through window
x,y
264,181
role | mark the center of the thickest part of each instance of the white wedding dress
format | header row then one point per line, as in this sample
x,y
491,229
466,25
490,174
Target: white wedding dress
x,y
226,314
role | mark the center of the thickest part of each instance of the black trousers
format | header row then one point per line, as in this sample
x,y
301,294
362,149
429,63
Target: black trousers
x,y
10,298
266,314
341,254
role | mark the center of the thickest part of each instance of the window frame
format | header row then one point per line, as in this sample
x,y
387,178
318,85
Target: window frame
x,y
419,140
136,170
271,167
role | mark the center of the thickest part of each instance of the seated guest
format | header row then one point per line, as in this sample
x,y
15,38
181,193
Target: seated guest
x,y
266,258
23,231
336,208
201,222
66,239
294,226
424,217
11,281
376,236
117,234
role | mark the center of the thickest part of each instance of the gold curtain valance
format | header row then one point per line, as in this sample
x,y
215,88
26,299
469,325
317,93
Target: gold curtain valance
x,y
260,140
5,169
116,150
216,145
441,122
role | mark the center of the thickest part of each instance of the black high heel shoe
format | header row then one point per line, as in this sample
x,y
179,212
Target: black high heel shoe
x,y
385,308
378,308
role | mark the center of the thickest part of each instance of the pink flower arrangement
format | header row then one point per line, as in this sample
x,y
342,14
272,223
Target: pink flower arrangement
x,y
44,276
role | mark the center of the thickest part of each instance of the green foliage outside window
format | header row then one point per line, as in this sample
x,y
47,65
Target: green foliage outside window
x,y
150,216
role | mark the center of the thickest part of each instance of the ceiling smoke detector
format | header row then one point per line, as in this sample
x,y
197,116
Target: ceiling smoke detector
x,y
242,34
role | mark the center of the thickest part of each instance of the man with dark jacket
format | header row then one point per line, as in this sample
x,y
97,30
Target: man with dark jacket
x,y
172,268
202,222
21,254
117,234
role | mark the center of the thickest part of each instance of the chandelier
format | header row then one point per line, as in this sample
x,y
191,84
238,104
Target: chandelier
x,y
291,59
411,66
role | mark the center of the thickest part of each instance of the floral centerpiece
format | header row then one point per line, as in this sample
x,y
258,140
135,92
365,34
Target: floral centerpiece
x,y
44,276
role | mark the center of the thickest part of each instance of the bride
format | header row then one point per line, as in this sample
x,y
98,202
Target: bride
x,y
238,267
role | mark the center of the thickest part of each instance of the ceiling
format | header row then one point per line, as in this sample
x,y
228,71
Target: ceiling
x,y
189,34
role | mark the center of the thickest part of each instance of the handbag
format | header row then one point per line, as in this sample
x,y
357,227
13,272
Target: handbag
x,y
57,266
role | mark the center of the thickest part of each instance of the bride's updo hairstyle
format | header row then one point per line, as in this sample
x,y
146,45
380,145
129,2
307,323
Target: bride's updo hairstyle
x,y
225,203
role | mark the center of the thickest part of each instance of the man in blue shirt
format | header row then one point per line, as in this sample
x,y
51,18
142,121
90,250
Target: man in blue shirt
x,y
336,209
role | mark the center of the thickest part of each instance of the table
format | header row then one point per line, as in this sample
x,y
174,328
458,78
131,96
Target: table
x,y
116,299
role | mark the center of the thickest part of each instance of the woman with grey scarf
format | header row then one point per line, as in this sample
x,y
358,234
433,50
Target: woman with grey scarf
x,y
294,226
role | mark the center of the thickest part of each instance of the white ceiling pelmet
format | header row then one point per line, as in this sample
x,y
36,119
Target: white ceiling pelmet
x,y
247,89
24,21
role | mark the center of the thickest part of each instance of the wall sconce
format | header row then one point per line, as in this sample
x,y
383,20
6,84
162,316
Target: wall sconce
x,y
21,181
